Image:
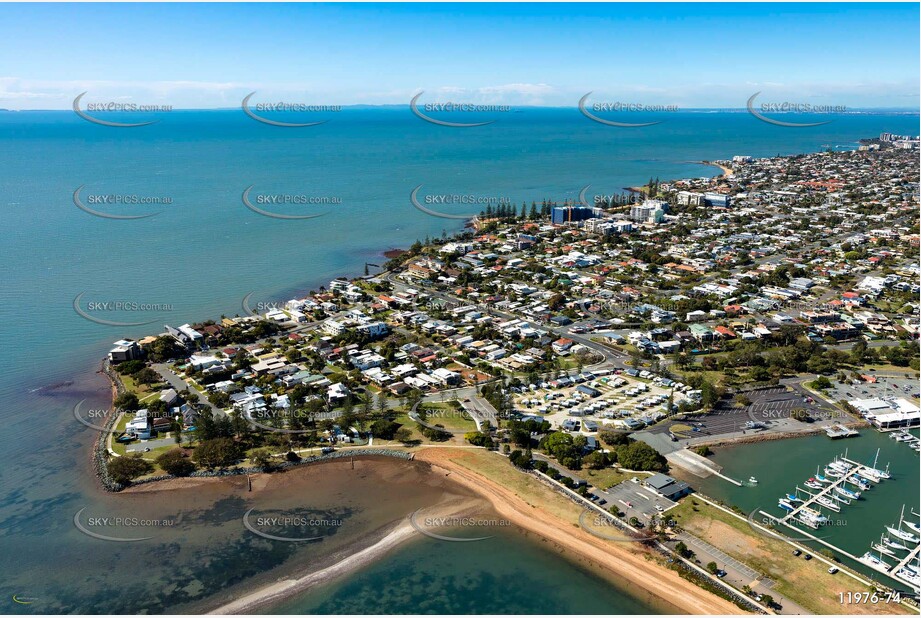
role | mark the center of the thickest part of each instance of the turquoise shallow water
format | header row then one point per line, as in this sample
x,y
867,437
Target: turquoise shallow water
x,y
502,575
206,251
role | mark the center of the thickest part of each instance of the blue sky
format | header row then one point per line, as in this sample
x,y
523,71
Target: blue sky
x,y
689,55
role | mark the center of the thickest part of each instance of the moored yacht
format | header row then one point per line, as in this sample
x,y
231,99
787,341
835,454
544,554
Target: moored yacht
x,y
875,561
894,544
847,493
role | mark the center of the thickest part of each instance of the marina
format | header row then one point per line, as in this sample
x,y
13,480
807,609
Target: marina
x,y
895,555
905,437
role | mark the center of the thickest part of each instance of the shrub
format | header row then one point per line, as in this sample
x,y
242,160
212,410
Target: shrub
x,y
217,452
477,438
125,469
176,463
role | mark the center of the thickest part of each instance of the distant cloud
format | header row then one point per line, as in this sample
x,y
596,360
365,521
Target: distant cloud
x,y
21,93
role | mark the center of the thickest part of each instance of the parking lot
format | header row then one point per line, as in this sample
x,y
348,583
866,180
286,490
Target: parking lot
x,y
769,407
637,500
634,499
622,400
887,386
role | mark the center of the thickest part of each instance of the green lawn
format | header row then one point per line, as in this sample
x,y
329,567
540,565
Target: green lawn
x,y
604,478
449,416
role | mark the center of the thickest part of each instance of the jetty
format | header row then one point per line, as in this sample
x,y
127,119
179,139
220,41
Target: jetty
x,y
829,493
838,431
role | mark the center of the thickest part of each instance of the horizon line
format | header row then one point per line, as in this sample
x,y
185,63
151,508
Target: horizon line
x,y
510,106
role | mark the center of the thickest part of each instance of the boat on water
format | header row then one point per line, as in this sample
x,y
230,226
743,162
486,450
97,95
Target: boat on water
x,y
813,515
900,534
847,493
832,473
913,526
875,473
813,485
828,504
909,576
874,561
894,544
785,505
793,498
882,549
863,485
753,480
860,479
837,464
820,478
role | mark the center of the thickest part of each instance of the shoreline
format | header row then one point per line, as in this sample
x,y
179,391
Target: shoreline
x,y
726,171
634,572
289,587
637,570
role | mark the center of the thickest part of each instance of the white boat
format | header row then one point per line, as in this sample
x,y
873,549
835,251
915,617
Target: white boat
x,y
874,561
894,544
785,505
752,479
821,478
881,548
832,473
813,515
909,576
912,525
847,493
828,504
901,534
875,473
813,485
898,533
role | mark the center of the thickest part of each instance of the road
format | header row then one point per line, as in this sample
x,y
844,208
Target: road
x,y
179,385
738,574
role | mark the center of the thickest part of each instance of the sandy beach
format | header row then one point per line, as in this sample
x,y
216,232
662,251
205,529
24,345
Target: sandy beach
x,y
727,171
632,565
288,587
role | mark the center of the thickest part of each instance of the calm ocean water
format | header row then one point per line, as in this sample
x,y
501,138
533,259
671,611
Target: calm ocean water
x,y
205,251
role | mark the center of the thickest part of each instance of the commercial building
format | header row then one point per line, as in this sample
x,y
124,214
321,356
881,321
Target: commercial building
x,y
650,211
560,215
